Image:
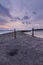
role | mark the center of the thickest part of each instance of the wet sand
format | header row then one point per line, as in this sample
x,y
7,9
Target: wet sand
x,y
24,50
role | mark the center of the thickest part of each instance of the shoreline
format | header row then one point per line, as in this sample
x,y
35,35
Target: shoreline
x,y
20,32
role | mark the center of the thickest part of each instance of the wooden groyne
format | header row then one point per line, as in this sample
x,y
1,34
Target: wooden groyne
x,y
15,35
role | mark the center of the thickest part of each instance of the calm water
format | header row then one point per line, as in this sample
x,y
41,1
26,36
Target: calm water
x,y
3,32
36,33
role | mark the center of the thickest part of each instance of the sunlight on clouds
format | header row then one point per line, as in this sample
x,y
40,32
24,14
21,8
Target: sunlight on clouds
x,y
4,26
17,25
20,26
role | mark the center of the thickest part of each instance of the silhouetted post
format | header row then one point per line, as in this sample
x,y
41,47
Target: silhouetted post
x,y
14,33
32,32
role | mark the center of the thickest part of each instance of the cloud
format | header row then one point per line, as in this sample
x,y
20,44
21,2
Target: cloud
x,y
4,11
32,4
22,10
26,17
20,19
39,17
4,27
34,12
18,8
17,18
2,21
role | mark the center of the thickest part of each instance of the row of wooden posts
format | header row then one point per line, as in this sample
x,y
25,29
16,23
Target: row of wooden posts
x,y
15,33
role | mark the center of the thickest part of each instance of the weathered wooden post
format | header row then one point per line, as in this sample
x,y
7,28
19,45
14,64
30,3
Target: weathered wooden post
x,y
32,32
14,33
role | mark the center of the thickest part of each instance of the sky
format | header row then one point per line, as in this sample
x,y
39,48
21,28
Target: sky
x,y
21,14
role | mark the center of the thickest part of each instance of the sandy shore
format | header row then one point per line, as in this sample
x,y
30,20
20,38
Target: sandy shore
x,y
24,50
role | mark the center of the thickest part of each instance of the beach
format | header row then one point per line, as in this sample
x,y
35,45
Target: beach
x,y
24,50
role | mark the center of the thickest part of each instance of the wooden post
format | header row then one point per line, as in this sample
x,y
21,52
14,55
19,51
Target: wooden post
x,y
32,32
14,33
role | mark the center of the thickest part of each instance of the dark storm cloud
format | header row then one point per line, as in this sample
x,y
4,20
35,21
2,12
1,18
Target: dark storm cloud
x,y
26,17
4,11
20,19
17,18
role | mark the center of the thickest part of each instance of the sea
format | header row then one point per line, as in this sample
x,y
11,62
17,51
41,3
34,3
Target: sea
x,y
36,33
5,31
